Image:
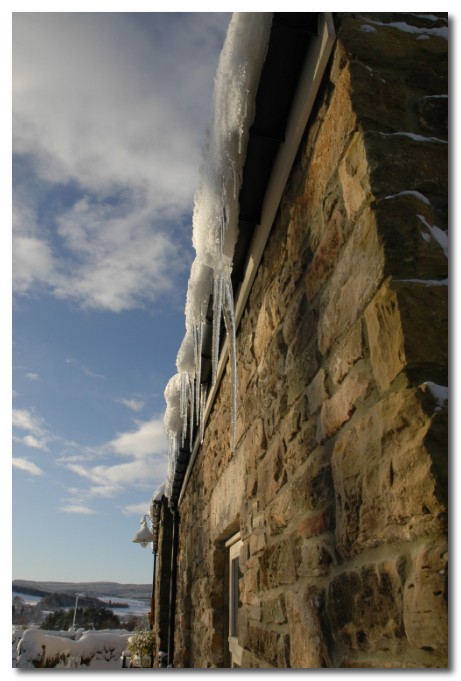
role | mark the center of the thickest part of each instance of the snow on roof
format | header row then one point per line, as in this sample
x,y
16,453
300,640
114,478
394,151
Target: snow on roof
x,y
215,217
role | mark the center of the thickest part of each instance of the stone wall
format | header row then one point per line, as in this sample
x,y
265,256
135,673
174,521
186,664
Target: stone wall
x,y
338,483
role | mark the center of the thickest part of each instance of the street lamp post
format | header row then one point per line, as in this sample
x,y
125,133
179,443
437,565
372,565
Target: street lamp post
x,y
144,536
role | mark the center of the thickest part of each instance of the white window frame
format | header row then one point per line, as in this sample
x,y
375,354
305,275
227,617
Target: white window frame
x,y
233,546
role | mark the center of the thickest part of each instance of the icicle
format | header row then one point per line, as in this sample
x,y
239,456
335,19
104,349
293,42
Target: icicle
x,y
217,314
173,449
229,319
191,407
235,179
203,396
198,333
184,403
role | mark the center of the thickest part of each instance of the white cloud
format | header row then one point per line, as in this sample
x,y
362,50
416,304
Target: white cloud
x,y
25,420
32,376
32,262
137,509
132,403
92,374
145,448
37,435
148,438
110,480
103,105
32,441
76,508
28,466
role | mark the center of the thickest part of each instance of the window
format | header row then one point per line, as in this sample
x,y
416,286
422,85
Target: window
x,y
233,546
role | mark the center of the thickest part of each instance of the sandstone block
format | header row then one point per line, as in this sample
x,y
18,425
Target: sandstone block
x,y
308,648
280,511
385,44
365,607
263,331
353,283
296,310
402,160
312,487
325,255
311,525
299,449
271,471
407,324
301,361
433,114
274,610
279,563
317,556
340,407
333,135
263,643
354,175
426,600
379,96
406,222
283,652
249,585
292,420
317,392
257,542
254,443
387,487
349,351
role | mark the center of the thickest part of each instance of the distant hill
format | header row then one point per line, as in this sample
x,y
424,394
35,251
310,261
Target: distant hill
x,y
137,591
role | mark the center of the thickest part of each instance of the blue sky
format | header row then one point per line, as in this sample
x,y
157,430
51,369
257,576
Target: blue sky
x,y
109,119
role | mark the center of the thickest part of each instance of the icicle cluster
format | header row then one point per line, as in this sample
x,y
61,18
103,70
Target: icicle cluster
x,y
215,228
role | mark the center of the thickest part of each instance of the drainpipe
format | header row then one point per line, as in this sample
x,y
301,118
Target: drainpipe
x,y
173,577
152,606
155,517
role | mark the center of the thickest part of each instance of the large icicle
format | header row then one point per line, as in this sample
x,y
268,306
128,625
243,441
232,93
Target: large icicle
x,y
198,333
229,318
173,425
203,396
218,290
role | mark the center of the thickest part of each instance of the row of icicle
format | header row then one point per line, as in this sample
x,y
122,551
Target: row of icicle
x,y
215,231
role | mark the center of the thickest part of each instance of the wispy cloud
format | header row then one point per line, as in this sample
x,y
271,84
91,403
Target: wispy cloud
x,y
148,438
32,376
137,509
84,369
76,508
37,435
32,441
26,420
118,132
92,374
132,403
27,466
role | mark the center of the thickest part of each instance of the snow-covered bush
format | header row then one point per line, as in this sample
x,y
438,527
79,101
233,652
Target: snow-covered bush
x,y
93,650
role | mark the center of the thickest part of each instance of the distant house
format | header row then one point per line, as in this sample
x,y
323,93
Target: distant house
x,y
315,534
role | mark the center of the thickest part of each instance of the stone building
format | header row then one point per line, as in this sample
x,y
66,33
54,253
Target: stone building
x,y
320,538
